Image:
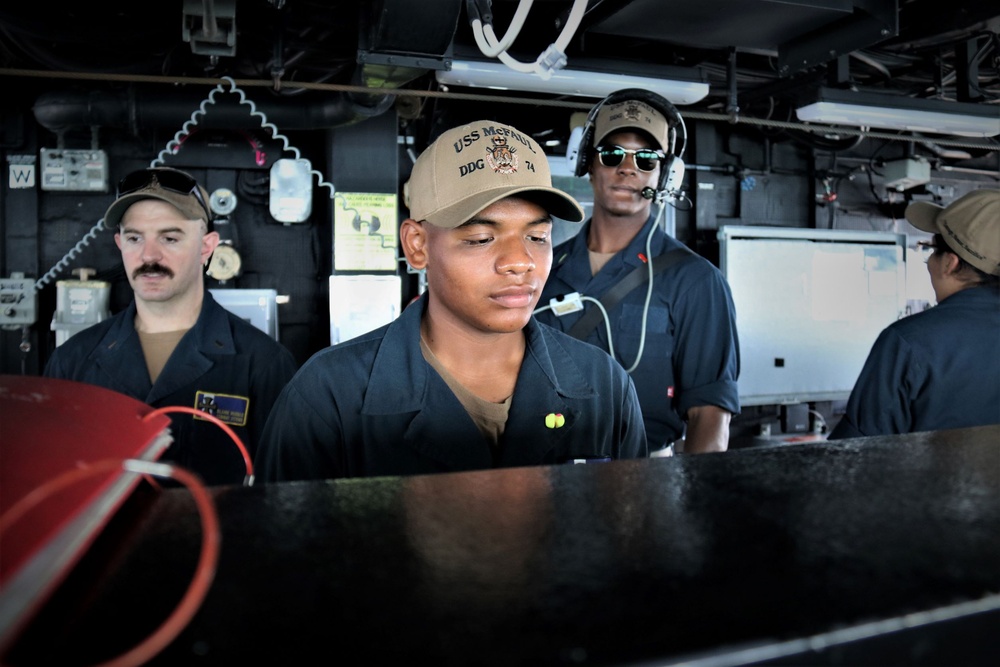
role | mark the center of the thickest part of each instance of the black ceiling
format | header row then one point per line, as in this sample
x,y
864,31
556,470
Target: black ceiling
x,y
757,55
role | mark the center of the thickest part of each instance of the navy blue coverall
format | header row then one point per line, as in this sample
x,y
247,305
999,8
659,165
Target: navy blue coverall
x,y
223,365
937,369
690,355
372,406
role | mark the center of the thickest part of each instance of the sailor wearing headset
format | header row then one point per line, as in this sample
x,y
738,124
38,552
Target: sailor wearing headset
x,y
670,322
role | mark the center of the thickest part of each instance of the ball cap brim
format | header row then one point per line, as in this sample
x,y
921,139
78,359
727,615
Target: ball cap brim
x,y
970,226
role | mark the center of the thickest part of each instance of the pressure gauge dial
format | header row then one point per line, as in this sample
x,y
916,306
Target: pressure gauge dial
x,y
225,264
222,201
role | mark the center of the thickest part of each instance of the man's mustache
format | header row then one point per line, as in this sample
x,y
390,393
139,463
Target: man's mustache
x,y
152,268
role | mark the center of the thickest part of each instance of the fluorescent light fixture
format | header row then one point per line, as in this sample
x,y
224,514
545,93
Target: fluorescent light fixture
x,y
581,83
845,107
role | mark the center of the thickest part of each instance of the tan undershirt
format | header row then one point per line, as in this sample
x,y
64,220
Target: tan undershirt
x,y
489,417
598,260
157,348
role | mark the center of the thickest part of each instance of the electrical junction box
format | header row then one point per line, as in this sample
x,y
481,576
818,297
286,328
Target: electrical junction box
x,y
79,304
18,305
907,173
67,170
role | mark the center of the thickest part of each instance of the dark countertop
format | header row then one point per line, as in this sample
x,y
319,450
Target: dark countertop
x,y
866,551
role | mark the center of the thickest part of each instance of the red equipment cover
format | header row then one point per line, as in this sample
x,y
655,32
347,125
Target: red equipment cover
x,y
49,427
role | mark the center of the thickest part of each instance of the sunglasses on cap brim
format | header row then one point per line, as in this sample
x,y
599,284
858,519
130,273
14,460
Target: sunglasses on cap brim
x,y
168,180
645,159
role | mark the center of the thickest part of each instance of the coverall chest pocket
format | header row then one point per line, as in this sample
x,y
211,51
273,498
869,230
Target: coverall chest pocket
x,y
658,343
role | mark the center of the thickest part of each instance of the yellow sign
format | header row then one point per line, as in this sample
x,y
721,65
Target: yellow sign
x,y
365,237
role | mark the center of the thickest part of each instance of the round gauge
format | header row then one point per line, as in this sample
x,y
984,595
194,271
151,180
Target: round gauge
x,y
225,263
222,201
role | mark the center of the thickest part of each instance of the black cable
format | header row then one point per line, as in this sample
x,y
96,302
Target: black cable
x,y
481,10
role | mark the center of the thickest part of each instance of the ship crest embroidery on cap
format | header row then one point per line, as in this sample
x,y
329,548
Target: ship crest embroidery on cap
x,y
632,111
501,157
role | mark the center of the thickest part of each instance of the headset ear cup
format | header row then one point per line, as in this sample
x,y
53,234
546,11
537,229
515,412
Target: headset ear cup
x,y
672,174
573,146
583,152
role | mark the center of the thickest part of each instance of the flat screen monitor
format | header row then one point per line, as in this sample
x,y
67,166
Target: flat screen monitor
x,y
809,305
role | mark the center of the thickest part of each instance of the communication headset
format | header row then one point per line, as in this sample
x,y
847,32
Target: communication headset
x,y
672,169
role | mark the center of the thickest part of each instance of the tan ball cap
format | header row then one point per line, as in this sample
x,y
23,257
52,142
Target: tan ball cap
x,y
474,166
185,202
970,226
632,115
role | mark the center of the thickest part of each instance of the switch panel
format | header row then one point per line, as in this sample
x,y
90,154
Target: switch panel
x,y
68,170
17,301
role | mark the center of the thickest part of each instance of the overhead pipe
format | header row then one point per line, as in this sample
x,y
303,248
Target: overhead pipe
x,y
409,39
140,109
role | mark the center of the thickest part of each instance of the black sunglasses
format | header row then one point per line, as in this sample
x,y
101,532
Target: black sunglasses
x,y
175,181
645,159
936,244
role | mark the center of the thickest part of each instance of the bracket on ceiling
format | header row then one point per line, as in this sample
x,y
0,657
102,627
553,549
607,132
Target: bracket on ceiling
x,y
210,27
400,40
867,23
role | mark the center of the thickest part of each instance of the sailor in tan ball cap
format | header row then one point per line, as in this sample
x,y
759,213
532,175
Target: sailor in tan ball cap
x,y
465,378
940,369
